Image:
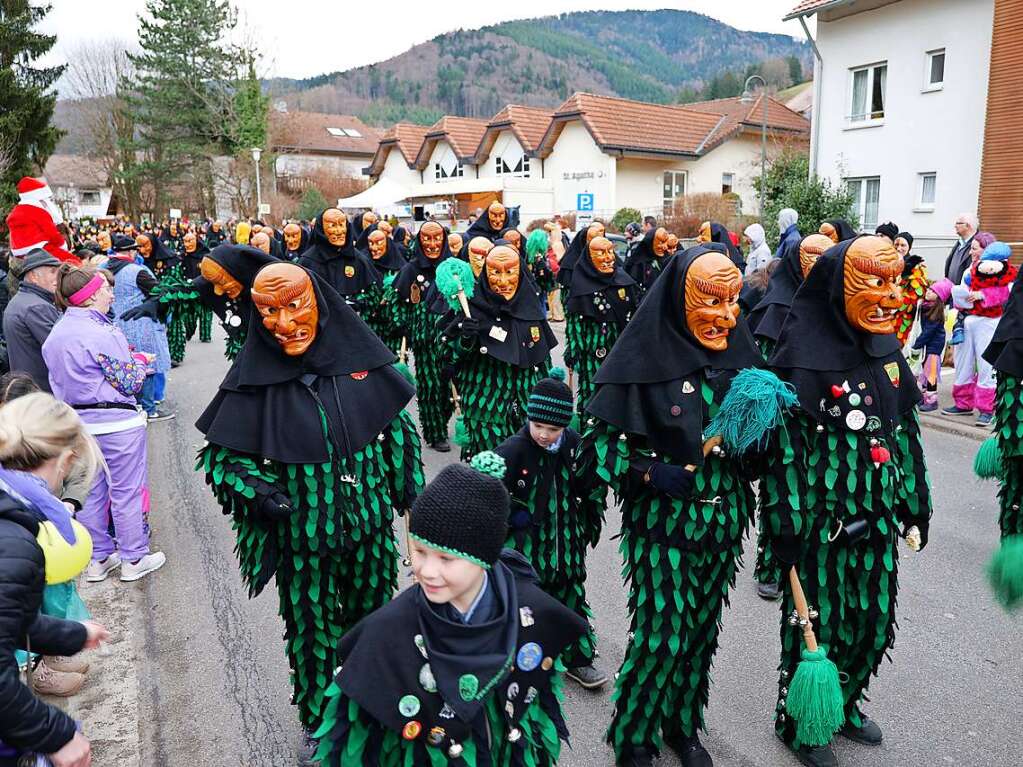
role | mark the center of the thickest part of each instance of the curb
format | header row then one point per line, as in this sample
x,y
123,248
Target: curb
x,y
946,425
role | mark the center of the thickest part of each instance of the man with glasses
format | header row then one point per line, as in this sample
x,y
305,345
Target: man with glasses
x,y
959,259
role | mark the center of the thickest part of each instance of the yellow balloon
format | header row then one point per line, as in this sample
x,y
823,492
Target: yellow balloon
x,y
64,560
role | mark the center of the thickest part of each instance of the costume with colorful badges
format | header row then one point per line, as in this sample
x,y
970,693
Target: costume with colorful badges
x,y
335,260
645,261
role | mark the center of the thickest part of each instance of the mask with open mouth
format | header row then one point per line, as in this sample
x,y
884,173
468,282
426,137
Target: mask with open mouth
x,y
872,292
712,290
286,301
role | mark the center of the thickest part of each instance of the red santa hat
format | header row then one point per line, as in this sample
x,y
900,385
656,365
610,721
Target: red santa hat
x,y
33,189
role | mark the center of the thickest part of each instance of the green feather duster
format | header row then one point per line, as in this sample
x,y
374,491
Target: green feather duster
x,y
489,462
1005,572
987,464
754,405
402,368
453,275
815,698
461,435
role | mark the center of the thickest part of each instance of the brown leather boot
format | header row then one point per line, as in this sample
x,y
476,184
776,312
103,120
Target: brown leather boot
x,y
75,665
63,684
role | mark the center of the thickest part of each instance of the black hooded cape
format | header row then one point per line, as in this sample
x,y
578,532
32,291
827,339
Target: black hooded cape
x,y
242,262
575,251
391,261
769,315
161,257
1005,352
639,264
269,403
650,382
345,269
591,290
719,234
481,228
420,270
843,227
303,245
190,261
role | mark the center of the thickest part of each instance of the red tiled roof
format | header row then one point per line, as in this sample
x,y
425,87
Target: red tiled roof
x,y
308,132
463,134
809,7
67,169
406,137
741,116
527,123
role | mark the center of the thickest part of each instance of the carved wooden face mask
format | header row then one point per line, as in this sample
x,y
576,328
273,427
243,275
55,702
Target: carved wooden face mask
x,y
104,241
368,219
335,226
223,283
385,227
712,299
455,243
602,254
190,242
261,240
514,239
811,248
144,245
285,298
672,244
660,242
292,237
705,234
478,249
595,230
377,244
431,236
872,292
830,232
173,229
497,216
503,266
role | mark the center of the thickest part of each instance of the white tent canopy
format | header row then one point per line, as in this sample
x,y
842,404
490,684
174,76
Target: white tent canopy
x,y
382,194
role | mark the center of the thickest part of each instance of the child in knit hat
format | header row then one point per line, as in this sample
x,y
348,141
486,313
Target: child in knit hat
x,y
460,668
549,523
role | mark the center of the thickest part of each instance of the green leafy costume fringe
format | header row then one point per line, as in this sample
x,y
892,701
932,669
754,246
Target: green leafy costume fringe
x,y
680,557
177,291
419,326
351,738
820,477
204,321
335,556
766,569
379,317
1009,433
587,344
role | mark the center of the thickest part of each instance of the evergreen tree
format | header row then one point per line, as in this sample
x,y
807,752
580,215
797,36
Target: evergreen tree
x,y
249,127
26,104
182,95
795,69
312,203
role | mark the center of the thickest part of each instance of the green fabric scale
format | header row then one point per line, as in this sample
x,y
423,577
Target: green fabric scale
x,y
681,558
433,396
351,738
204,322
555,544
766,570
335,556
177,293
378,313
584,337
818,480
1009,433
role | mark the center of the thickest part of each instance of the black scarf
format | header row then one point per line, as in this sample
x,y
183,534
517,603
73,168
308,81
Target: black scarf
x,y
358,230
1005,352
190,261
844,229
481,228
642,261
391,261
420,270
269,403
656,393
602,297
573,253
769,315
160,257
842,375
344,268
719,234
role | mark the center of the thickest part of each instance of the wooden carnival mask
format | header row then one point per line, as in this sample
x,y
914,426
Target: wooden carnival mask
x,y
711,293
261,240
478,249
595,229
292,236
103,239
503,266
497,215
285,298
335,227
221,280
811,248
660,243
602,254
829,231
368,219
672,243
455,242
385,227
190,242
144,245
431,236
377,244
705,233
514,238
872,292
173,229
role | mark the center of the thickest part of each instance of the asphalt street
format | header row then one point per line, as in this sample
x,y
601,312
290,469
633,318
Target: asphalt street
x,y
213,679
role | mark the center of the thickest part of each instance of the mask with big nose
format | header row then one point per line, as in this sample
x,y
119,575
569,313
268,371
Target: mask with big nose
x,y
872,293
711,292
286,300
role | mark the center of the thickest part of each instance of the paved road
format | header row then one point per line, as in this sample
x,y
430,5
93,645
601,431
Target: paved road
x,y
214,684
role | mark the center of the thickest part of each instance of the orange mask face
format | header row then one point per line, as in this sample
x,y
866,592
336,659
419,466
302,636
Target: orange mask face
x,y
293,236
672,243
190,242
704,235
478,249
830,232
261,241
497,215
872,292
595,230
602,254
503,271
811,248
173,229
660,242
335,226
223,283
368,219
712,299
284,296
514,238
144,245
455,243
377,244
217,225
104,241
385,227
431,236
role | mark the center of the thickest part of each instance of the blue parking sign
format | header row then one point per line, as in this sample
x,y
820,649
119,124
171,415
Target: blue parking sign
x,y
584,201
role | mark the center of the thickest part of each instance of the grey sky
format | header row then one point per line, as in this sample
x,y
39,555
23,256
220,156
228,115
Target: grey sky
x,y
309,37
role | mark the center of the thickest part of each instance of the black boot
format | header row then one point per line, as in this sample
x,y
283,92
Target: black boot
x,y
636,757
813,756
587,676
690,751
441,446
868,733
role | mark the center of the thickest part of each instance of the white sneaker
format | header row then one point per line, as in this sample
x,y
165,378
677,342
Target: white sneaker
x,y
149,563
98,571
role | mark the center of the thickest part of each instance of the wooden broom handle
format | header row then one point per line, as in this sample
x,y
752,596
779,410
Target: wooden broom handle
x,y
462,298
709,445
802,609
456,399
403,354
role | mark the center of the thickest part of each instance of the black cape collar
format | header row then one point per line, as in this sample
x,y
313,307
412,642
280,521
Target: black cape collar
x,y
591,290
344,268
160,254
481,228
391,261
719,234
420,270
769,314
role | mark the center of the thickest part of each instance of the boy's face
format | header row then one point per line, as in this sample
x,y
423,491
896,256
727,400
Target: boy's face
x,y
544,434
443,576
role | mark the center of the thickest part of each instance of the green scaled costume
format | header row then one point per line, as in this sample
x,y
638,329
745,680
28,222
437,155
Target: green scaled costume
x,y
684,515
202,315
379,315
177,294
311,456
847,481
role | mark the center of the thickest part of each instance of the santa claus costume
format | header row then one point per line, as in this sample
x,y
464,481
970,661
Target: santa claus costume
x,y
33,222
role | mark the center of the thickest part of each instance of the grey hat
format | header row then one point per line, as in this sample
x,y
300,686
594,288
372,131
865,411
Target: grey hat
x,y
36,258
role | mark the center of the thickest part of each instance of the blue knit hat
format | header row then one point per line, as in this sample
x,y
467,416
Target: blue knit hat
x,y
996,251
551,400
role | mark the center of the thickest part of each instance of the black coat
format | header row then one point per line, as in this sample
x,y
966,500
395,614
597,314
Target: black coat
x,y
26,722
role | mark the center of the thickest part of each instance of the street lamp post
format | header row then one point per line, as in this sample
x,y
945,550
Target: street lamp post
x,y
256,153
747,98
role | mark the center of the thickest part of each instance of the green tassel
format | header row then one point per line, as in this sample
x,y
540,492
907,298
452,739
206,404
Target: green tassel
x,y
987,464
1005,572
753,406
490,463
815,699
454,274
557,373
461,434
402,368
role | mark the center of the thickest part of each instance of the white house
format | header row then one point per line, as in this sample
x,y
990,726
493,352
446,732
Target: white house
x,y
900,110
81,187
309,144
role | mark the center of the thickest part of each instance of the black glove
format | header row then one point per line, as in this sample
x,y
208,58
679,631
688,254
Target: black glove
x,y
147,309
674,481
464,327
448,373
520,519
275,506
